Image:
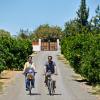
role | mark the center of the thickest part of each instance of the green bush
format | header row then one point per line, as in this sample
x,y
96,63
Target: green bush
x,y
83,53
2,63
14,52
90,66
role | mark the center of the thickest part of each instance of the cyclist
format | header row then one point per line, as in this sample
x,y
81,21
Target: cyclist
x,y
50,66
29,65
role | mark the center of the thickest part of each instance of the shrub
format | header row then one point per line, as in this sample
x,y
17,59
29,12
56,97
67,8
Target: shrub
x,y
14,52
83,53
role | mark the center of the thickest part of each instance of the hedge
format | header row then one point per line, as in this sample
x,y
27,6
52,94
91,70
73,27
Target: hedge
x,y
14,52
83,53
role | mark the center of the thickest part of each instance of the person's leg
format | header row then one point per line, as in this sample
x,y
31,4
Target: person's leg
x,y
54,80
54,84
33,83
46,79
26,82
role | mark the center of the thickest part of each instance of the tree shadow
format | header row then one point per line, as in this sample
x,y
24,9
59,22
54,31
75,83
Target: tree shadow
x,y
96,92
1,87
83,81
4,78
79,79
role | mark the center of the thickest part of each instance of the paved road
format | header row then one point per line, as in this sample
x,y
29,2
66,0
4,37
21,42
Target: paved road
x,y
67,87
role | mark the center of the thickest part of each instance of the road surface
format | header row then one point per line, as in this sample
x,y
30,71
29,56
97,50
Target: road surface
x,y
67,87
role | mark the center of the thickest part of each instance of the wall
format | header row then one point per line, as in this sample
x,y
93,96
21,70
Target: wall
x,y
36,45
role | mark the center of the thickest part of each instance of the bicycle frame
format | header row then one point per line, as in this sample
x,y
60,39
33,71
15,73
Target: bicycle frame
x,y
50,85
30,81
29,85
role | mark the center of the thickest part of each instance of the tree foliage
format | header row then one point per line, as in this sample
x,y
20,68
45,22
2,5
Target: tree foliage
x,y
13,52
95,21
24,34
47,32
81,44
83,14
4,33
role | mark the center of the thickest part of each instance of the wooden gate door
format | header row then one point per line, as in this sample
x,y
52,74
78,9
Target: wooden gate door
x,y
48,46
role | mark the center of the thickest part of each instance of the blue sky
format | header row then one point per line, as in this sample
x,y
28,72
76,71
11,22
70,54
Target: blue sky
x,y
23,14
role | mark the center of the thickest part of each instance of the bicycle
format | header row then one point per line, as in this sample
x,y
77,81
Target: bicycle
x,y
30,80
50,83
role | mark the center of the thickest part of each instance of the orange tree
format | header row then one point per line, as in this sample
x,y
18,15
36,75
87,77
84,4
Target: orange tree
x,y
13,52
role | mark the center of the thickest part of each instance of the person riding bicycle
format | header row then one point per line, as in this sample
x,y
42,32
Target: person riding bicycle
x,y
50,66
27,66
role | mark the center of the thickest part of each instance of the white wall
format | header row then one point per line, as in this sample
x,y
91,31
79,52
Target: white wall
x,y
58,44
37,47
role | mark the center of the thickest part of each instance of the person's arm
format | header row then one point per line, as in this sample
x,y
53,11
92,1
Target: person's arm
x,y
44,68
56,72
34,66
25,66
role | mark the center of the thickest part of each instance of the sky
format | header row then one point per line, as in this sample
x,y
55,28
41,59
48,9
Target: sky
x,y
30,14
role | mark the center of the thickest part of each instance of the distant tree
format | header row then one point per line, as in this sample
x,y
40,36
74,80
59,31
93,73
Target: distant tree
x,y
95,21
24,34
70,28
33,37
48,32
83,14
4,33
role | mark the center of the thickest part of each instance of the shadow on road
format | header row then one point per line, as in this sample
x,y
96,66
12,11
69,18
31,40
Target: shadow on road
x,y
1,87
78,78
4,78
55,94
83,81
34,94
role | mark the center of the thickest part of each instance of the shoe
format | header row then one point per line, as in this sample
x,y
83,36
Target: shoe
x,y
45,85
33,86
26,89
54,86
54,83
54,90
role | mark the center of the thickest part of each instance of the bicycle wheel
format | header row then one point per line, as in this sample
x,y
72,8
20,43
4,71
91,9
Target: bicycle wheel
x,y
30,88
49,87
30,92
52,87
